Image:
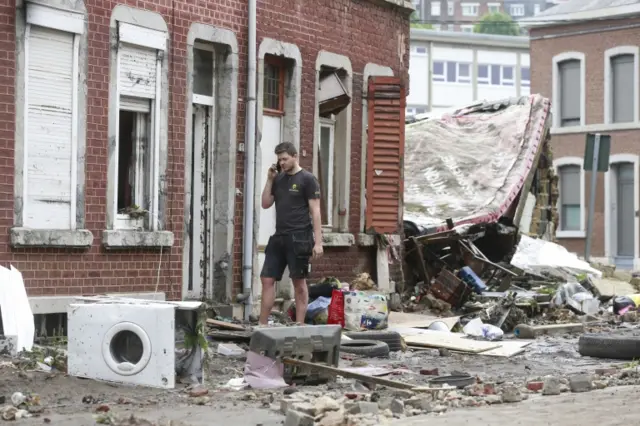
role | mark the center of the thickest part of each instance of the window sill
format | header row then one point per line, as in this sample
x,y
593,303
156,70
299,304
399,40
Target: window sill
x,y
571,234
337,239
26,237
368,240
123,238
594,128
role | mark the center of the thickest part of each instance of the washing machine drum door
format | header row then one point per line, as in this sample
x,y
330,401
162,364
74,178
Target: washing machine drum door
x,y
126,349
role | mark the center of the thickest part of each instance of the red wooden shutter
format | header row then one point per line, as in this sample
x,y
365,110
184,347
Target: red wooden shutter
x,y
385,155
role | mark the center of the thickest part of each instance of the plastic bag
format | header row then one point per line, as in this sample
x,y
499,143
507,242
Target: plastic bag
x,y
365,310
622,304
335,313
476,328
317,306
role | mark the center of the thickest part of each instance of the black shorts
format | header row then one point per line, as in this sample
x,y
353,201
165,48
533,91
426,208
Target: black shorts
x,y
292,250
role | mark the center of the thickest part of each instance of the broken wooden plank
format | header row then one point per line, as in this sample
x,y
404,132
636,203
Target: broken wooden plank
x,y
451,341
225,325
348,374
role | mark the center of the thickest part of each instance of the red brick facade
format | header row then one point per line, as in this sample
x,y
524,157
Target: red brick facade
x,y
592,39
364,31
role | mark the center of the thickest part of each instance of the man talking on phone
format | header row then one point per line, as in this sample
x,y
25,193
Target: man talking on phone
x,y
298,236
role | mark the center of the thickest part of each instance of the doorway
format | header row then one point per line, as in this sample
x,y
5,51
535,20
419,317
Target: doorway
x,y
201,232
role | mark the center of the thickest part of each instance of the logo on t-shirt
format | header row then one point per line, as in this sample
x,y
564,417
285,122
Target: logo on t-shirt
x,y
294,188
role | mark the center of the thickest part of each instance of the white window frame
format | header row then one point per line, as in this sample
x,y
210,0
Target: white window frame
x,y
467,80
517,10
512,80
558,164
493,7
470,9
451,8
556,61
466,28
484,80
609,54
435,8
73,23
536,9
522,80
202,99
443,75
422,52
145,37
329,123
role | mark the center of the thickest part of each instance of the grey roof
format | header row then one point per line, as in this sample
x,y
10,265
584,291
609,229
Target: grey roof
x,y
574,6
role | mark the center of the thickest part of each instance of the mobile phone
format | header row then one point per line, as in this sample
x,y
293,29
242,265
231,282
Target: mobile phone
x,y
278,166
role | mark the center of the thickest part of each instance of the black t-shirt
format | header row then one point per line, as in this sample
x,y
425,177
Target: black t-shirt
x,y
292,194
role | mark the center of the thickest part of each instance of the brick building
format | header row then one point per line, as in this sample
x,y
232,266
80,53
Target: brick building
x,y
585,57
122,133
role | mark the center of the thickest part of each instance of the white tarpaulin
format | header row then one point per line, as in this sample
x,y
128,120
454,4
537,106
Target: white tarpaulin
x,y
471,166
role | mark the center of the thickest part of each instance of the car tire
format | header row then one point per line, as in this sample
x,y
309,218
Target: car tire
x,y
391,338
367,348
609,346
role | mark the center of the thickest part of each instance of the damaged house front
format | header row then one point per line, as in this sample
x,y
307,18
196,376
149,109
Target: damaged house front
x,y
136,141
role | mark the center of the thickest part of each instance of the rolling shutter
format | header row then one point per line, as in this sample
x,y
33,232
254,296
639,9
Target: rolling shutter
x,y
49,109
137,73
385,154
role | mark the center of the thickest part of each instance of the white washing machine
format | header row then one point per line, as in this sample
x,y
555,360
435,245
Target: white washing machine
x,y
123,341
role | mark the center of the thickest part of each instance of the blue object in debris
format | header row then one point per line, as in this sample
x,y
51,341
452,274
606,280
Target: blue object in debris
x,y
472,280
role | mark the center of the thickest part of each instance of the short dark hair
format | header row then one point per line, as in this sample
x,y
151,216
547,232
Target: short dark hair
x,y
287,147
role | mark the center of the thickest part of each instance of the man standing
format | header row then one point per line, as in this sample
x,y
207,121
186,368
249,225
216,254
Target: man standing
x,y
298,236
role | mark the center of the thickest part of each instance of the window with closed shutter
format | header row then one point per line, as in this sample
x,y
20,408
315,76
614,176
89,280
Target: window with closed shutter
x,y
137,73
570,92
385,154
49,130
570,198
622,88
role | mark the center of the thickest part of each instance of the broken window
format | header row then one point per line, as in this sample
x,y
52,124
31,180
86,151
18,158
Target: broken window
x,y
274,80
332,158
570,198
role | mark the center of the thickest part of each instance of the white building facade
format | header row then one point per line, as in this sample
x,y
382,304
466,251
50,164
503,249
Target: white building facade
x,y
453,69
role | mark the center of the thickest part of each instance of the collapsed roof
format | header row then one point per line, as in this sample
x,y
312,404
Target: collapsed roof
x,y
471,166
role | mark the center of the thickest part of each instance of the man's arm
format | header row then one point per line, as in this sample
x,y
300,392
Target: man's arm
x,y
267,194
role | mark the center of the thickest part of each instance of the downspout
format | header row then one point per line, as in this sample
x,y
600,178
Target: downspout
x,y
250,165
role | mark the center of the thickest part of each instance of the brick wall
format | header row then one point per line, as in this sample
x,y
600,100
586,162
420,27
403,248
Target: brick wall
x,y
593,45
361,30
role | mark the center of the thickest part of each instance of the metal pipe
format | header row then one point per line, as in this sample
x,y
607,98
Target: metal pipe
x,y
250,164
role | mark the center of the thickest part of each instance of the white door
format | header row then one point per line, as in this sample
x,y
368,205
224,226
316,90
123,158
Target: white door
x,y
200,210
271,137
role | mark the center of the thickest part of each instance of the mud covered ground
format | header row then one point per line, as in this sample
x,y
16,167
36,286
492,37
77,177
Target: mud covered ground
x,y
72,401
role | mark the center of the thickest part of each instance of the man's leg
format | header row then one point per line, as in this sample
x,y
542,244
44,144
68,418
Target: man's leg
x,y
275,262
302,298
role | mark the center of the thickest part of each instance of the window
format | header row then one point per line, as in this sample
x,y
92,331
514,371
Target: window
x,y
435,8
483,74
525,76
421,110
326,176
451,72
507,75
536,9
470,9
450,8
274,79
496,75
139,85
622,88
570,190
466,28
516,10
570,92
50,123
448,27
420,50
436,27
494,7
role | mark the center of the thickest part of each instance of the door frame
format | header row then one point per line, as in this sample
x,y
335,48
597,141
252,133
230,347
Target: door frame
x,y
610,191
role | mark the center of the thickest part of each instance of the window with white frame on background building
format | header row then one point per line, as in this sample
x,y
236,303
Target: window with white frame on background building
x,y
140,90
536,9
622,88
420,50
516,10
470,9
570,197
466,28
436,27
450,8
50,121
493,7
569,92
435,8
525,77
451,72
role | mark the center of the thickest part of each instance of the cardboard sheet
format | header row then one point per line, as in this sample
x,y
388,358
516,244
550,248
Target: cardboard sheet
x,y
451,341
410,320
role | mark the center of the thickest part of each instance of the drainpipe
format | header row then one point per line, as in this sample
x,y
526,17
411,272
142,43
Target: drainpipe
x,y
250,165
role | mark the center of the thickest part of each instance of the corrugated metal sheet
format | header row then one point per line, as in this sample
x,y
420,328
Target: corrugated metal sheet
x,y
137,74
385,154
49,121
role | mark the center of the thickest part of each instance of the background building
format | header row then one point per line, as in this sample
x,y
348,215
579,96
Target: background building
x,y
585,57
122,133
451,69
